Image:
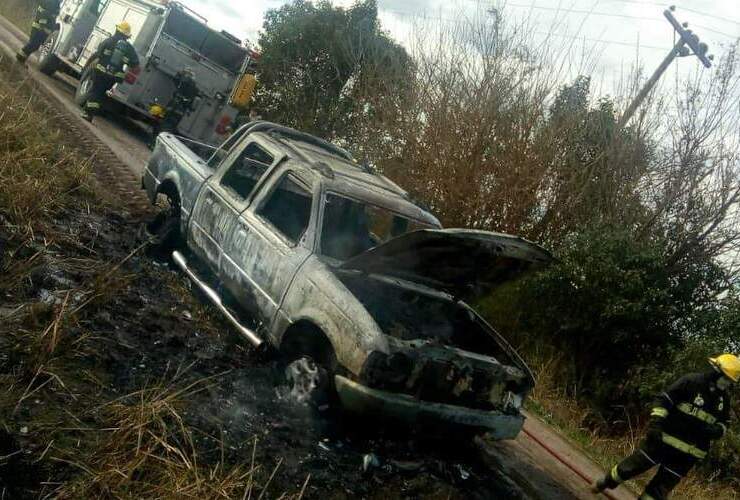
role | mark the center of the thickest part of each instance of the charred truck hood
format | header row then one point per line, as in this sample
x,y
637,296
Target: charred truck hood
x,y
466,264
440,352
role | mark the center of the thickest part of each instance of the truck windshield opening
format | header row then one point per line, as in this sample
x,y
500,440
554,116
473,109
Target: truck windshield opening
x,y
352,227
208,43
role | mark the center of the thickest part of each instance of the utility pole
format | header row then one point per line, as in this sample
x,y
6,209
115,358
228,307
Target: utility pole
x,y
687,45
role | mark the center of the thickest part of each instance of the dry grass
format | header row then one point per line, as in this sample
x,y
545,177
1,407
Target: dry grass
x,y
39,174
136,446
19,12
149,452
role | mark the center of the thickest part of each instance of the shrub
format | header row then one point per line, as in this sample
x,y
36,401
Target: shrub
x,y
613,306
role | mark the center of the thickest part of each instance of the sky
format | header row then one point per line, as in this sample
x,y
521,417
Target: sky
x,y
618,30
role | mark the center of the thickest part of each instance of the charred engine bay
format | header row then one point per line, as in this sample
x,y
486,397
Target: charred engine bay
x,y
147,329
439,350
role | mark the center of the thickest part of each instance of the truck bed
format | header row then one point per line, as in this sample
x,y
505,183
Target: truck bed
x,y
174,162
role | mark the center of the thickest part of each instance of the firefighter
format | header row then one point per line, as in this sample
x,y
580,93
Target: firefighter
x,y
43,25
112,56
685,419
181,103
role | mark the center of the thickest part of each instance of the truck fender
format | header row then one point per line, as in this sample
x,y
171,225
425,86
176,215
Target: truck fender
x,y
348,349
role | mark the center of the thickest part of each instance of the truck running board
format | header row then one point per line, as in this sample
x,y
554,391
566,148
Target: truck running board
x,y
182,263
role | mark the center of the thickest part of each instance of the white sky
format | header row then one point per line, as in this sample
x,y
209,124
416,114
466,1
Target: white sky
x,y
614,28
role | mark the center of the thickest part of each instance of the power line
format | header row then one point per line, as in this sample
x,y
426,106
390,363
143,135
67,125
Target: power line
x,y
578,11
608,14
625,16
611,14
715,31
687,9
546,33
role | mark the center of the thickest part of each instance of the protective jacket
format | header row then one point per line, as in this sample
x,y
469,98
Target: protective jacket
x,y
690,414
113,54
46,16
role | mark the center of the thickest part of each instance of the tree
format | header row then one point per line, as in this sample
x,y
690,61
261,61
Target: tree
x,y
594,168
321,65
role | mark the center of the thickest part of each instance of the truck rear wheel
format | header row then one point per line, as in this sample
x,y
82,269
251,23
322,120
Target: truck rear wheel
x,y
165,229
49,63
84,89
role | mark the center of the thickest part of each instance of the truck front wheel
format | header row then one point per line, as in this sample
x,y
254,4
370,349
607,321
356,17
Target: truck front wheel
x,y
309,382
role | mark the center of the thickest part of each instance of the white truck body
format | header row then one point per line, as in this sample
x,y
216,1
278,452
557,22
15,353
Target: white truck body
x,y
168,38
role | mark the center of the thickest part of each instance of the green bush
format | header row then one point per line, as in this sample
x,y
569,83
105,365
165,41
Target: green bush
x,y
614,307
625,324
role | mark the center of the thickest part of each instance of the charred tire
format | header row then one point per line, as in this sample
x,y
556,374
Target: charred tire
x,y
85,87
310,382
49,63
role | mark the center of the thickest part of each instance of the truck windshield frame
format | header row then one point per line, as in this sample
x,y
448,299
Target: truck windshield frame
x,y
193,34
351,226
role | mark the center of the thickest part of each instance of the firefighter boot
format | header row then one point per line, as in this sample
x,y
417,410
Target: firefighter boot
x,y
600,485
86,115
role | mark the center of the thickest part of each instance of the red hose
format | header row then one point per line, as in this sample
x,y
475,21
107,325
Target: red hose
x,y
564,461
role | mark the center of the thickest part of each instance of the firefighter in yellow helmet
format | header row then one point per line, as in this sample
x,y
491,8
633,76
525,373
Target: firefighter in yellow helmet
x,y
684,421
108,66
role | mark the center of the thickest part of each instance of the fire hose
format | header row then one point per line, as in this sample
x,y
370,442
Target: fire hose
x,y
564,461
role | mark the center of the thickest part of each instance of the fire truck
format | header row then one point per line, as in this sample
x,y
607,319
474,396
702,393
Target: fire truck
x,y
168,37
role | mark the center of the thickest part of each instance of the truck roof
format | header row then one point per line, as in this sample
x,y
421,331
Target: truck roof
x,y
339,172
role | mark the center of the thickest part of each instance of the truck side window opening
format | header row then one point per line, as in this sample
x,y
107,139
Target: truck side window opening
x,y
288,209
223,151
247,170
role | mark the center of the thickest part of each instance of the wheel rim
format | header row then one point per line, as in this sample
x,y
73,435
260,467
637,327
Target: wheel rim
x,y
45,49
303,377
86,85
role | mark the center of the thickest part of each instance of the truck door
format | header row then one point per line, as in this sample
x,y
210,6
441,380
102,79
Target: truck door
x,y
273,240
217,210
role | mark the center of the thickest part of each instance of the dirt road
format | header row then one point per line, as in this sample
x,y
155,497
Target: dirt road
x,y
520,469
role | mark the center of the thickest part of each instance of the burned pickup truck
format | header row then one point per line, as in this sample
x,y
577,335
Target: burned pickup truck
x,y
360,288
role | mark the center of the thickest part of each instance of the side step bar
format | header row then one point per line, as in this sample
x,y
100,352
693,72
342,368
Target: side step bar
x,y
182,263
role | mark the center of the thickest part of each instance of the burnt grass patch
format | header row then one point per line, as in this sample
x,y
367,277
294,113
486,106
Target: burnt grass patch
x,y
116,382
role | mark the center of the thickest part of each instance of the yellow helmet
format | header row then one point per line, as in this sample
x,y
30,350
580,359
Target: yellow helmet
x,y
729,364
124,27
157,111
